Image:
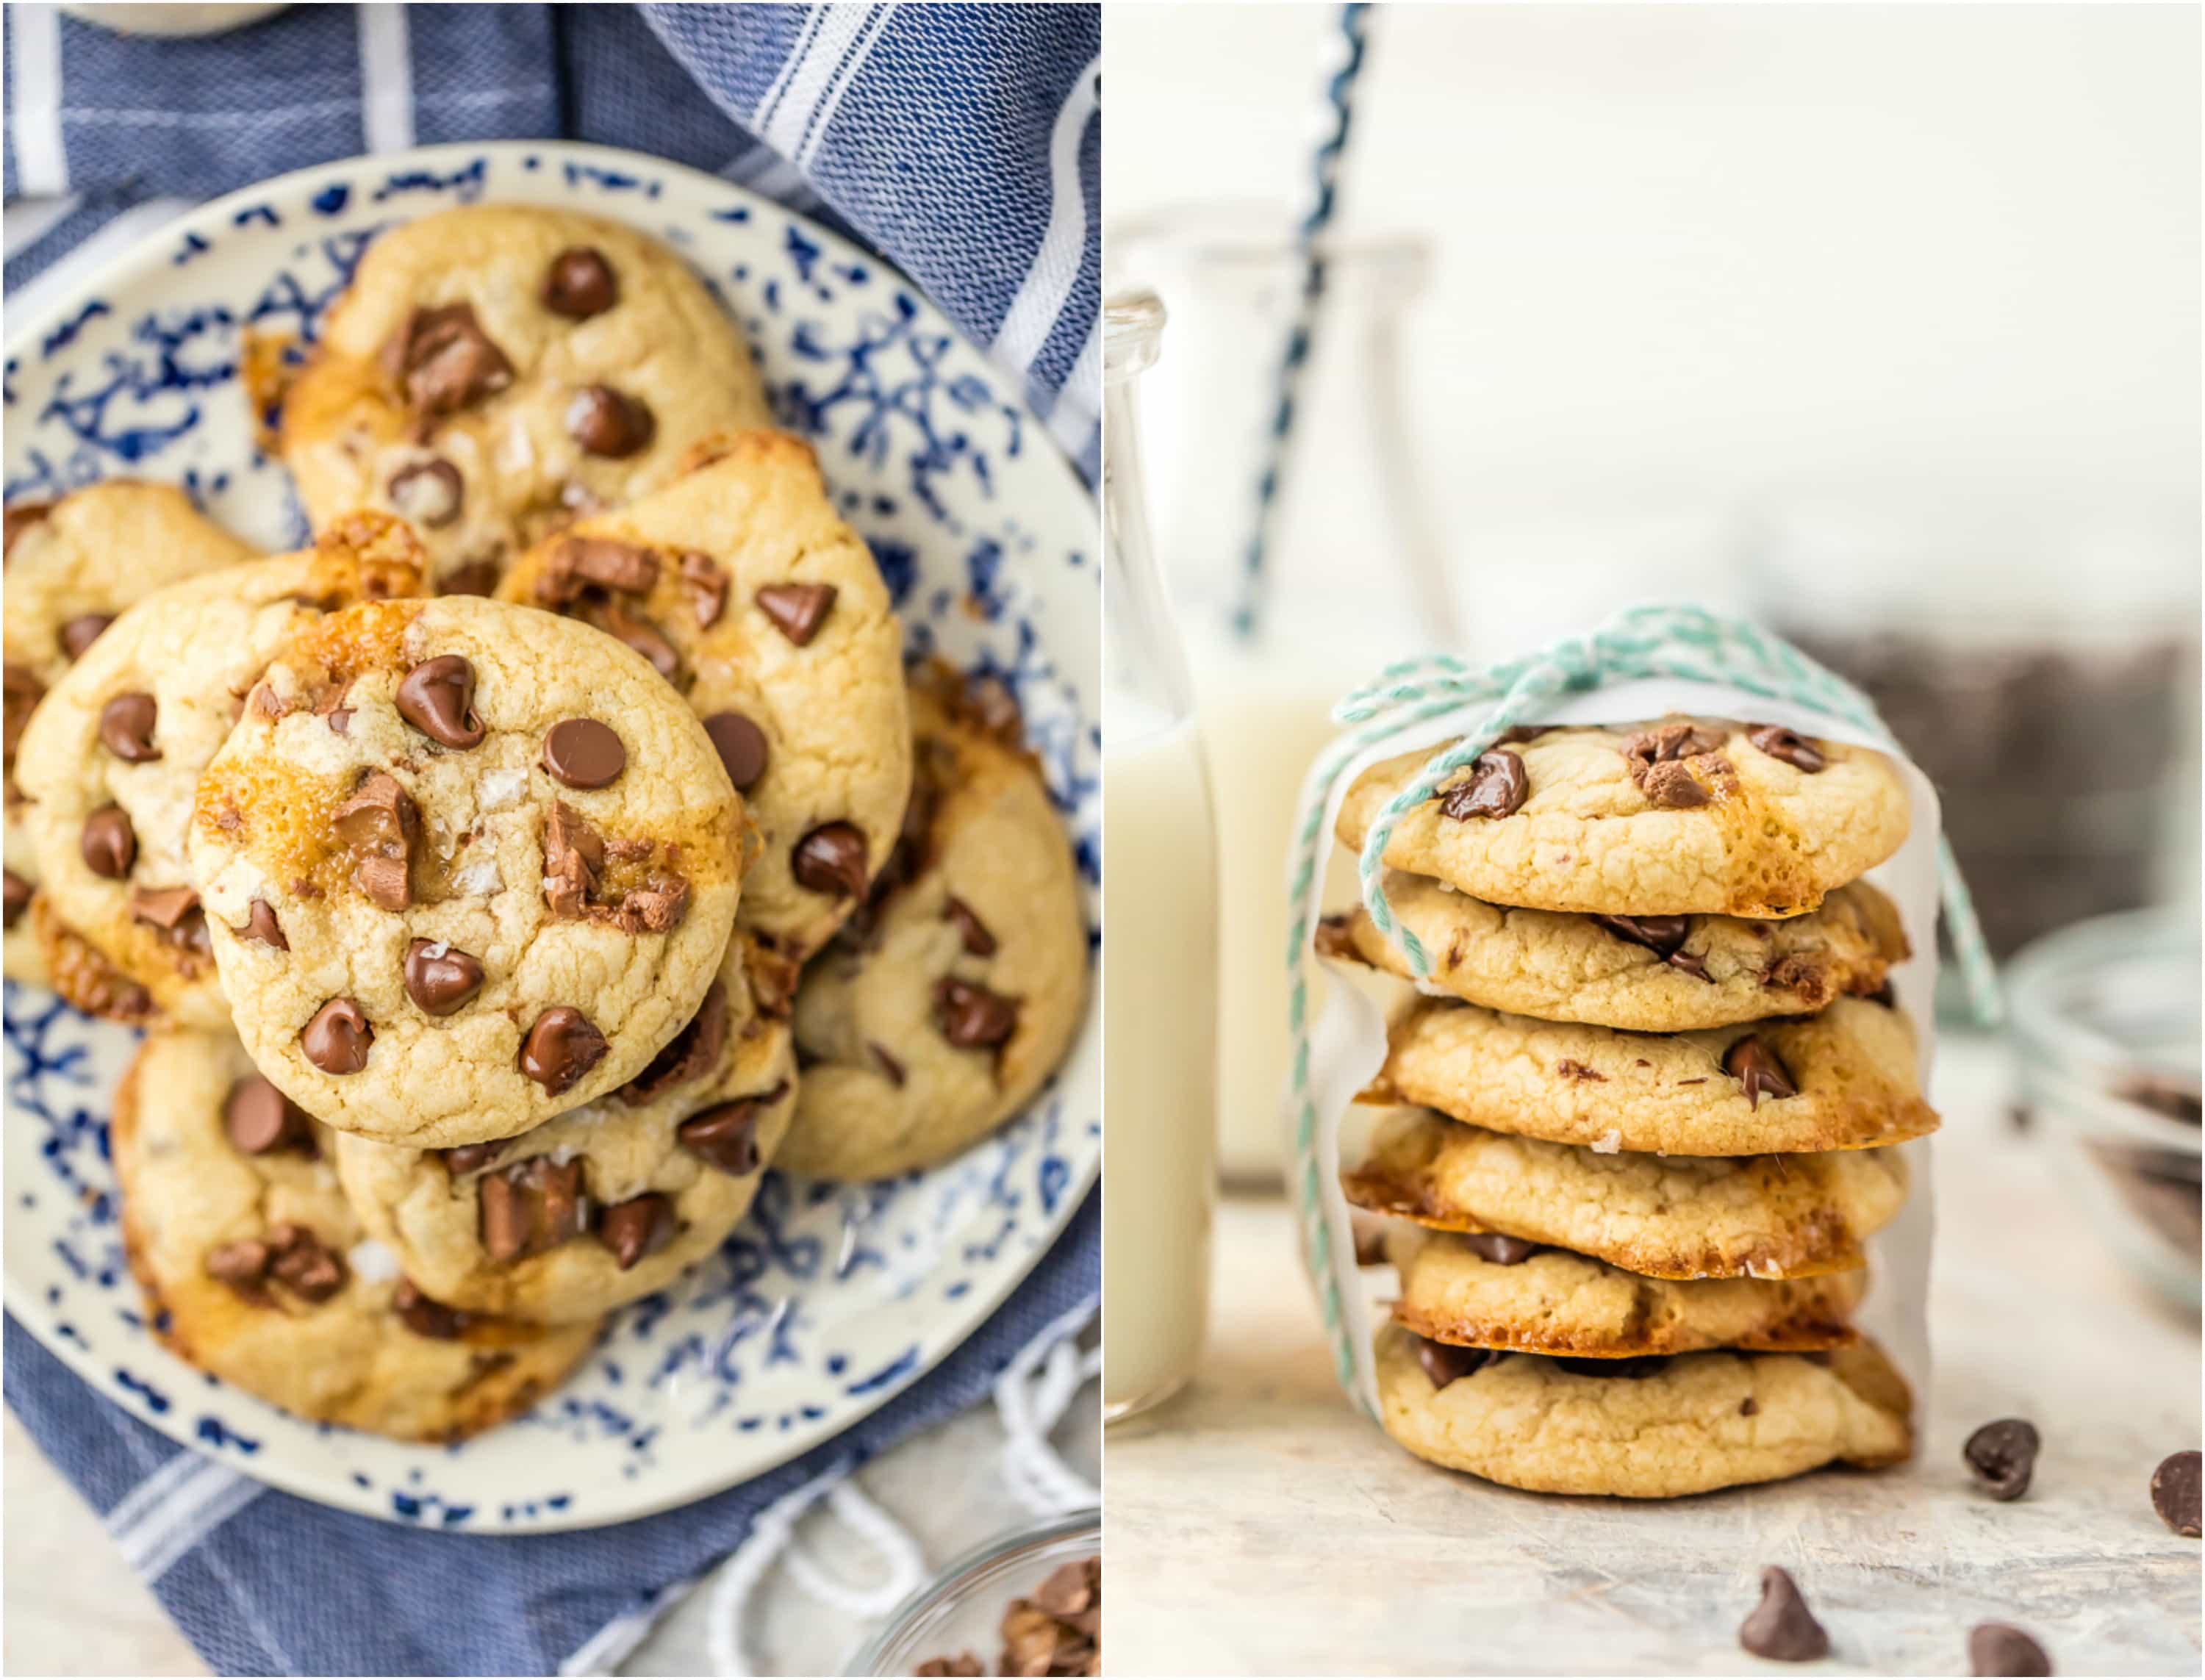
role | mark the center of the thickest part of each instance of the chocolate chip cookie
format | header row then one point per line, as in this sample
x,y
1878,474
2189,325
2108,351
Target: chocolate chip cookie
x,y
112,754
1843,1079
496,370
947,1002
254,1268
1688,817
1682,1217
609,1201
1650,1429
1489,1290
1644,973
740,586
466,866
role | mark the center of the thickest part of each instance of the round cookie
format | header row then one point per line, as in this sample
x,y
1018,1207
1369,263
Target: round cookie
x,y
1645,974
113,752
1843,1079
495,370
72,566
1688,817
1493,1291
1683,1217
466,866
609,1200
1687,1425
255,1269
740,584
941,1012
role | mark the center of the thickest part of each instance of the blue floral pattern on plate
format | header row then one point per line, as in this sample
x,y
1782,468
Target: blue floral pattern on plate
x,y
830,1298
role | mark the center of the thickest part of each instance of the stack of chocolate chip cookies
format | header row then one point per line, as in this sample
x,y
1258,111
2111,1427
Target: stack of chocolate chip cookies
x,y
511,876
1640,1109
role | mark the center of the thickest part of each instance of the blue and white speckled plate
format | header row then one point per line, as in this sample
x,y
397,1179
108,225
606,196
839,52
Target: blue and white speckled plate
x,y
830,1300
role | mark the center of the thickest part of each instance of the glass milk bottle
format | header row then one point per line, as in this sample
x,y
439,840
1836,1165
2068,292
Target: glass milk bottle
x,y
1159,934
1355,576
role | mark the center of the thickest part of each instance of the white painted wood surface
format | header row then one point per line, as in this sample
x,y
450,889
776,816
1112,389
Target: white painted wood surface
x,y
1257,1526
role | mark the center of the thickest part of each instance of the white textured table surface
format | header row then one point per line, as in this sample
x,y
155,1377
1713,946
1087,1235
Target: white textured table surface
x,y
1256,1525
73,1608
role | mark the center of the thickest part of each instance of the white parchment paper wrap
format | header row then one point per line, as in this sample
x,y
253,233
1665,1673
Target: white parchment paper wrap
x,y
1347,1040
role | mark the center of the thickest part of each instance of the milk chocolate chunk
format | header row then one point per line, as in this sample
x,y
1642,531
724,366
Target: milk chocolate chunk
x,y
690,1054
1628,1370
972,1017
2174,1493
742,745
303,1263
561,1049
1661,934
260,1120
19,896
1778,742
378,824
1995,1648
579,563
1756,1067
632,630
108,843
424,1317
2001,1455
1494,1249
445,360
579,283
1444,1363
464,1158
726,1134
573,856
440,978
470,577
337,1038
706,582
261,926
583,753
80,632
430,493
166,908
242,1263
796,610
970,929
639,1227
126,728
437,697
1498,786
831,859
608,423
529,1207
1781,1627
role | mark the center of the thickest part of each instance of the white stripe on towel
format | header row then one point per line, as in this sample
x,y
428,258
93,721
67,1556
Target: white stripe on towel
x,y
1041,295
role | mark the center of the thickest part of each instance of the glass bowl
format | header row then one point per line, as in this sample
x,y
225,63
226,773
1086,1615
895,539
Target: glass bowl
x,y
2104,1020
961,1609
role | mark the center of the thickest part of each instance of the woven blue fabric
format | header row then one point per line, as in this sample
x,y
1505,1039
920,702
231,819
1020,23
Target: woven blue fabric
x,y
961,143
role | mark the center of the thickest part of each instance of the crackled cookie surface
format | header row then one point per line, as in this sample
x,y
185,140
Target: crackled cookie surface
x,y
1644,973
1682,817
1843,1079
608,1202
110,758
1681,1216
1671,1427
466,866
495,370
940,1013
740,586
255,1268
1493,1291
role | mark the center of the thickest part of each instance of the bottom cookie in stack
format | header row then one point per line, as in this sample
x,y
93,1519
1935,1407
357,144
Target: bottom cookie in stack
x,y
255,1268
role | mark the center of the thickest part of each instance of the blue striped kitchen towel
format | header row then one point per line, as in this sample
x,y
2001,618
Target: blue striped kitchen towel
x,y
962,143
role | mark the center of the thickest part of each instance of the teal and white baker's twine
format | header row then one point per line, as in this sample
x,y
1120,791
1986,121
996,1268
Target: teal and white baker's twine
x,y
1686,643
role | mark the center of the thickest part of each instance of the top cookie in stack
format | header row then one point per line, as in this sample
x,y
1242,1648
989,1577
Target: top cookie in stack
x,y
1646,1080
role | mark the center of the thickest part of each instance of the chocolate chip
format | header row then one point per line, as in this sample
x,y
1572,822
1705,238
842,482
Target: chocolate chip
x,y
24,692
1444,1363
440,978
1756,1067
579,283
1994,1647
260,1118
634,630
1636,1369
336,1040
1667,743
108,843
573,855
583,753
2001,1455
2174,1493
19,896
1579,1071
707,584
726,1134
175,910
1494,1249
891,1069
1334,937
609,423
242,1263
424,1317
970,929
578,563
437,697
640,1225
1521,733
831,859
260,924
303,1263
81,631
472,577
561,1049
1673,787
464,1158
430,493
689,1055
531,1207
20,517
1781,1627
1498,786
378,824
445,360
796,610
1778,742
971,1017
126,728
1661,934
742,745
